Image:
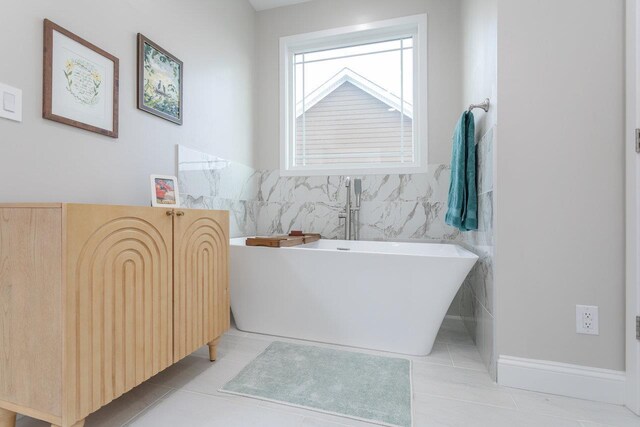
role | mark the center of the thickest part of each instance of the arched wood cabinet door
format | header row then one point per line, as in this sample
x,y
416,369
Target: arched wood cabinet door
x,y
201,279
119,310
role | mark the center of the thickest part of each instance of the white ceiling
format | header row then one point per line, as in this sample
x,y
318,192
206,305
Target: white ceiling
x,y
271,4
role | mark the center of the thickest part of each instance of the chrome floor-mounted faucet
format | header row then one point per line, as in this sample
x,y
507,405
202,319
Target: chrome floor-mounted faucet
x,y
351,215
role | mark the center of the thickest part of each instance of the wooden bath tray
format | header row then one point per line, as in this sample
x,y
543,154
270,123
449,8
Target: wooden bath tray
x,y
308,237
282,241
275,241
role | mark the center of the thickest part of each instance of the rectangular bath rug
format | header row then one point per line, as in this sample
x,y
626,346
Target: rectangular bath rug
x,y
355,385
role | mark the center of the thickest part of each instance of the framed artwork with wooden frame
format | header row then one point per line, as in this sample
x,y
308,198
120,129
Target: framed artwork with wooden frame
x,y
160,85
80,82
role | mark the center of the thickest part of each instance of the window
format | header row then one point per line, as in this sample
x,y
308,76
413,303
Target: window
x,y
352,97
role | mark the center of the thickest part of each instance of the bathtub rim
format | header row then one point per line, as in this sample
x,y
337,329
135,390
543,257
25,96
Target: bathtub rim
x,y
463,253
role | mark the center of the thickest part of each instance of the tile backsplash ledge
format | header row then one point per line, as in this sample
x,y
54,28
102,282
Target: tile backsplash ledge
x,y
261,202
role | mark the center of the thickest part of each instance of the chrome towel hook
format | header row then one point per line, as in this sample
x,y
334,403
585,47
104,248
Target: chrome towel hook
x,y
485,105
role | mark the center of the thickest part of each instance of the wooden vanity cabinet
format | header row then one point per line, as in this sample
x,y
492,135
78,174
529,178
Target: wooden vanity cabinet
x,y
94,300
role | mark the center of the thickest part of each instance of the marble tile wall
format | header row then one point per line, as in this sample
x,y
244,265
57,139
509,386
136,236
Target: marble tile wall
x,y
209,182
393,206
400,207
476,298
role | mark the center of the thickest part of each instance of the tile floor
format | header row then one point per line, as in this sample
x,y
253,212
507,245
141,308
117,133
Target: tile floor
x,y
451,388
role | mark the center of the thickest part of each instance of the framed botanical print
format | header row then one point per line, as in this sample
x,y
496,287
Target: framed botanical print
x,y
80,82
159,81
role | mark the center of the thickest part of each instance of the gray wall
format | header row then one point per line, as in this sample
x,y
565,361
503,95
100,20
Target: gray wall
x,y
41,160
444,69
560,169
479,59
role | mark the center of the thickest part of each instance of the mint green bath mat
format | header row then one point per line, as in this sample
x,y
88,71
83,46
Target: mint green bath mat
x,y
355,385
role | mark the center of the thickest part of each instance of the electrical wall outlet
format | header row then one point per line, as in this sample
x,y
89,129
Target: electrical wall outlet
x,y
587,319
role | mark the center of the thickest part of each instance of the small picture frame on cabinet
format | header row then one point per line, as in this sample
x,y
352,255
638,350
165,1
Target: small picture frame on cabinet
x,y
164,191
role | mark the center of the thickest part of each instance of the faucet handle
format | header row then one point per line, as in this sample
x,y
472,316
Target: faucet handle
x,y
347,181
357,189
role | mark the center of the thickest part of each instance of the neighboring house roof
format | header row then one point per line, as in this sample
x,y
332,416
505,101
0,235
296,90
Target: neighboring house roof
x,y
347,75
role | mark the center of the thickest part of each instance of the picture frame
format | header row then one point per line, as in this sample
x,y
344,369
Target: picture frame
x,y
80,82
160,81
164,191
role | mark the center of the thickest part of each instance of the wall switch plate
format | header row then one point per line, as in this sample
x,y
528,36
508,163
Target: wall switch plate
x,y
10,103
587,319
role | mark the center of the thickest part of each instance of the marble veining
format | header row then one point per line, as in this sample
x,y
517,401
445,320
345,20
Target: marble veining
x,y
406,206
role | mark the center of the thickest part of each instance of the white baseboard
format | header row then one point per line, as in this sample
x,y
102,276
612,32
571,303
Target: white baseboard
x,y
583,382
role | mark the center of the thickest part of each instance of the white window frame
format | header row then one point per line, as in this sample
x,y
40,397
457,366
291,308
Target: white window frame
x,y
411,26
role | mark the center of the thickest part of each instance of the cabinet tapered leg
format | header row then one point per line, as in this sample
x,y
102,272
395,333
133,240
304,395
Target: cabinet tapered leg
x,y
7,418
213,349
78,424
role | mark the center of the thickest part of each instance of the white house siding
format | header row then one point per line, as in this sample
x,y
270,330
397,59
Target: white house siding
x,y
351,126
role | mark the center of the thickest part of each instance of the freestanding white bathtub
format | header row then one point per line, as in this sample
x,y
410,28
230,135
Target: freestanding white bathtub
x,y
377,295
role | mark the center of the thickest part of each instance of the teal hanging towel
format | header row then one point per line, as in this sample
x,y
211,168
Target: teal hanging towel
x,y
462,211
